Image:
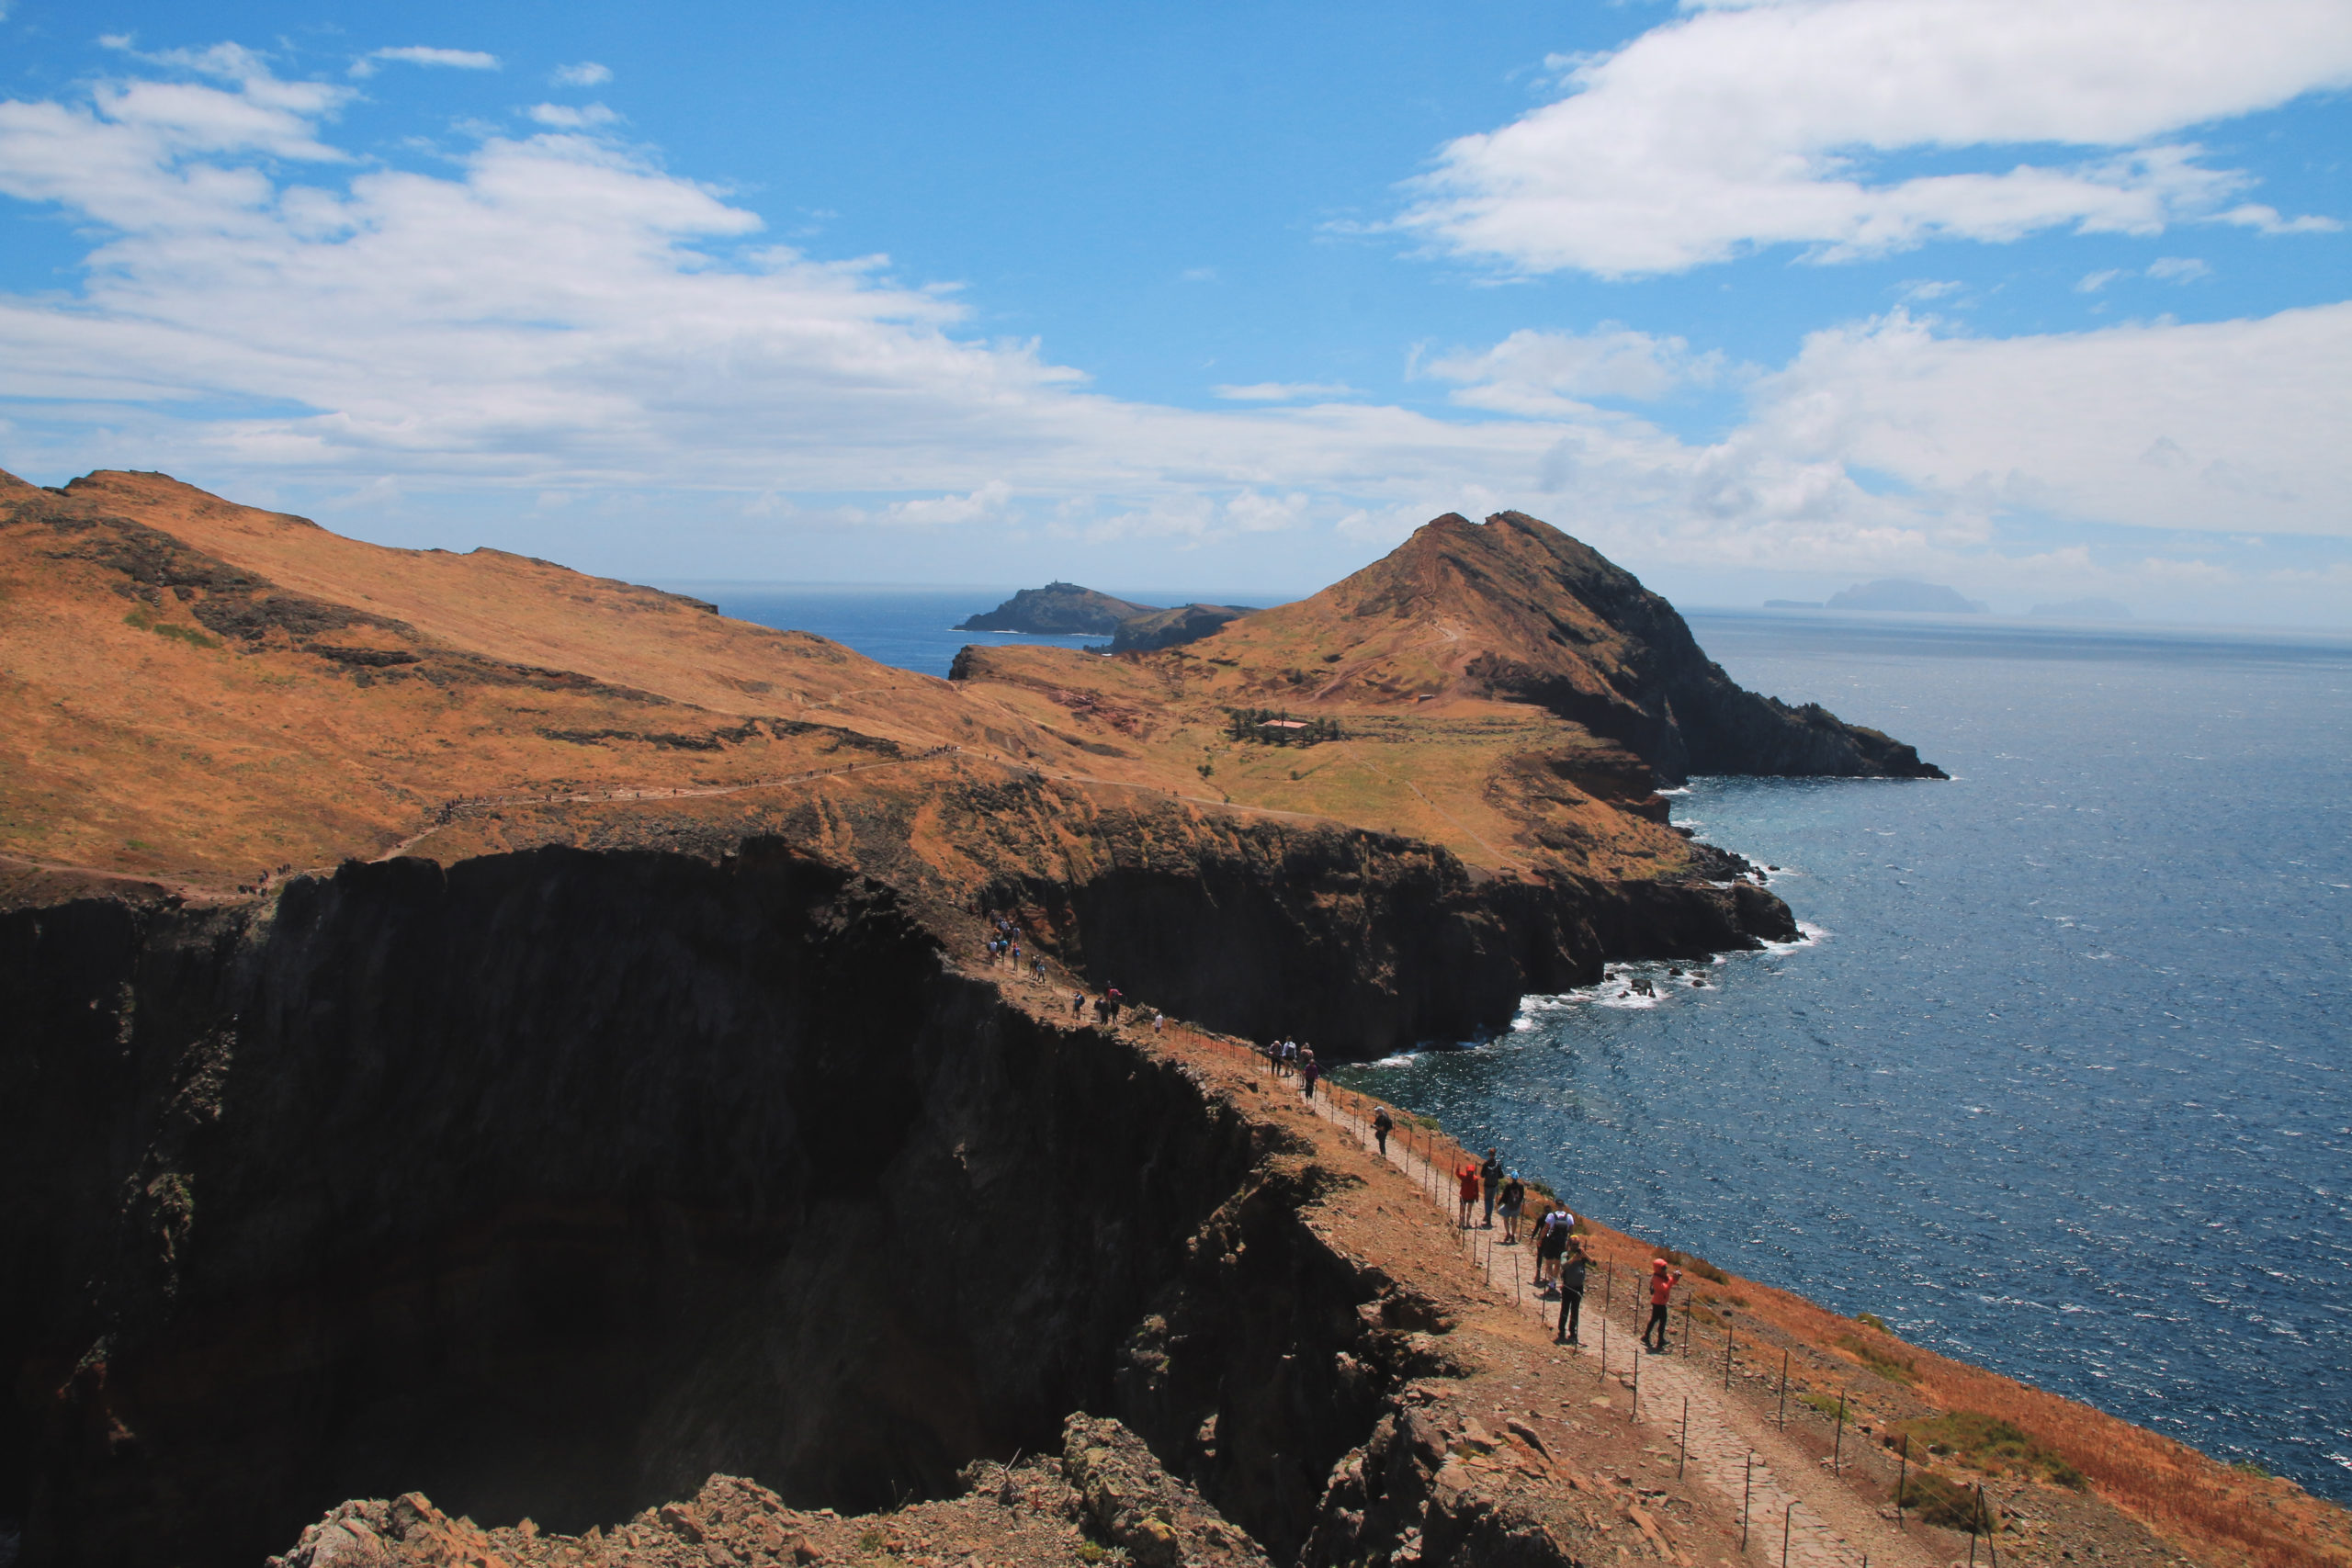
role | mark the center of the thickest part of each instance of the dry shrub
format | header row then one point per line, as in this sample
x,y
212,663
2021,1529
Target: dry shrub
x,y
1939,1501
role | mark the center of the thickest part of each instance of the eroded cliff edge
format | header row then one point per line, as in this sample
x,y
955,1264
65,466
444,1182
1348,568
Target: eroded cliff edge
x,y
553,1183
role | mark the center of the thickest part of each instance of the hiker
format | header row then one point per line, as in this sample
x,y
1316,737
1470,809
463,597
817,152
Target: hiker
x,y
1551,1246
1159,1020
1514,1199
1274,1058
1381,1126
1307,1070
1290,1057
1077,1004
1572,1267
1663,1280
1490,1174
1037,970
1468,1176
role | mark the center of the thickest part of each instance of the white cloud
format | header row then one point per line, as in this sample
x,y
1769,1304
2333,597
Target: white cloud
x,y
553,315
1768,124
587,74
1545,373
2214,426
564,116
2179,269
421,54
1284,391
558,313
2092,282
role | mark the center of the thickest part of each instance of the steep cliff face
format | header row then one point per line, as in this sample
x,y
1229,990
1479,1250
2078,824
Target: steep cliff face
x,y
550,1185
1364,943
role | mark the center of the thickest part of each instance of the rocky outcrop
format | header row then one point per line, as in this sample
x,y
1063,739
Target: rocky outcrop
x,y
1173,628
1058,607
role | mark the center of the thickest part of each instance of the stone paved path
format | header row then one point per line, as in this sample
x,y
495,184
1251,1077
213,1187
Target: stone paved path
x,y
1733,1449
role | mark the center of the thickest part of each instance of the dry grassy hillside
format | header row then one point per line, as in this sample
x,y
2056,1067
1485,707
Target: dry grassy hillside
x,y
199,691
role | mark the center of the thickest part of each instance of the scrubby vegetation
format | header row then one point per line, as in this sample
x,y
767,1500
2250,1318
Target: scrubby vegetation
x,y
1989,1444
1939,1501
1269,727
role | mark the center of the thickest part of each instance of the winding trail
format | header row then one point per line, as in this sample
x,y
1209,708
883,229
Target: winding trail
x,y
1735,1449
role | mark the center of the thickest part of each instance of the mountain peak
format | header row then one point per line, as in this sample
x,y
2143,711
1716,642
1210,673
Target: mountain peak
x,y
1516,610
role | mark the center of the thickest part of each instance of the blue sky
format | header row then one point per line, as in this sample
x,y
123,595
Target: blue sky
x,y
1761,299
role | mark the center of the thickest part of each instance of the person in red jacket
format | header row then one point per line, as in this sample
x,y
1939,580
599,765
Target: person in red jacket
x,y
1468,1176
1662,1283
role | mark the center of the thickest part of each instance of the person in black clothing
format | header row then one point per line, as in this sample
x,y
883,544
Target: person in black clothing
x,y
1572,1267
1490,1180
1381,1126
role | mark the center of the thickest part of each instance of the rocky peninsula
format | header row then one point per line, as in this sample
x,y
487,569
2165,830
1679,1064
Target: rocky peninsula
x,y
492,1044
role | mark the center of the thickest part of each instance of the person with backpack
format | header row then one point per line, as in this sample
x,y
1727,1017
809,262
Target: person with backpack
x,y
1381,1126
1551,1246
1572,1269
1307,1070
1514,1199
1663,1278
1490,1177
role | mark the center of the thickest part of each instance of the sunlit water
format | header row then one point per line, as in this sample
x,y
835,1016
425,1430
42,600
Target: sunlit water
x,y
2062,1083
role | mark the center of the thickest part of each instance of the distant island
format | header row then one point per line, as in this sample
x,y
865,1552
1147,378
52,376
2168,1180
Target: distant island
x,y
1058,608
1067,609
2081,610
1914,598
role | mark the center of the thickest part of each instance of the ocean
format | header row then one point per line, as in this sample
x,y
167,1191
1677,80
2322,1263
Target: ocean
x,y
2059,1080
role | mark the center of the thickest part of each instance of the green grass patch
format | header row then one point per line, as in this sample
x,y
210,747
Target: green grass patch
x,y
1990,1444
1872,1320
189,635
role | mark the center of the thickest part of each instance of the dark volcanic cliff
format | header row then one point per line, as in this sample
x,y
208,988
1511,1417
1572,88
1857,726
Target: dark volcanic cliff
x,y
554,1183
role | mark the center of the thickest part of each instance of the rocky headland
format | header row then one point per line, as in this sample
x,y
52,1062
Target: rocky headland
x,y
1058,608
1065,608
491,1044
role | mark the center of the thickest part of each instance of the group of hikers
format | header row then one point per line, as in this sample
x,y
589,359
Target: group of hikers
x,y
1561,1262
1003,946
1289,1059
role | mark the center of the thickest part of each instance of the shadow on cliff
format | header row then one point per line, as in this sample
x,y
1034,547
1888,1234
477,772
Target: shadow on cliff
x,y
549,1186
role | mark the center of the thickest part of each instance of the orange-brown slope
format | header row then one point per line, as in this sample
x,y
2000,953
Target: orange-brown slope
x,y
198,690
1516,611
1500,688
531,612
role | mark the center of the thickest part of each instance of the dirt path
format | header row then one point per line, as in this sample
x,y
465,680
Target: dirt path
x,y
1735,1450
